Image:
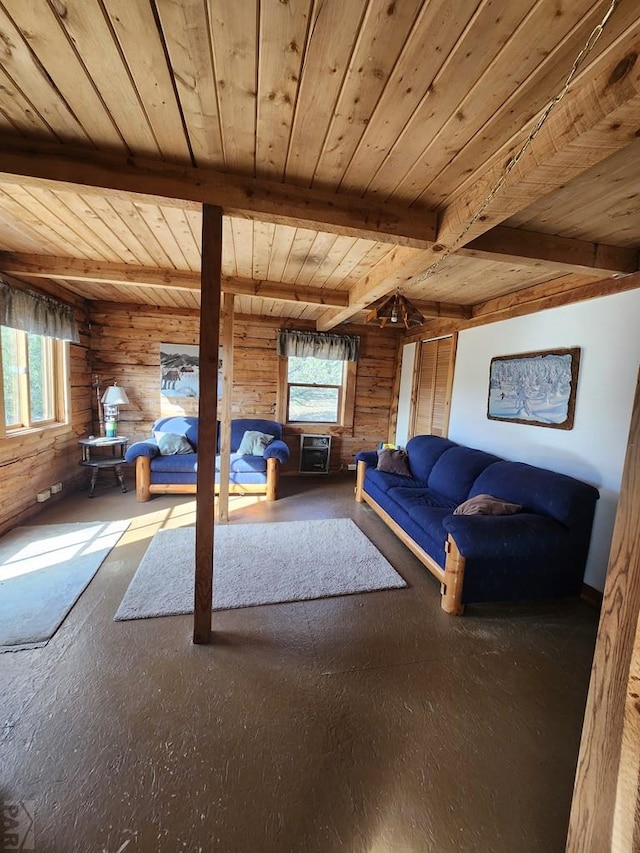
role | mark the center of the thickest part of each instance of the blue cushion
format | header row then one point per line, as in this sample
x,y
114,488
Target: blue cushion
x,y
162,478
241,463
424,451
141,448
430,519
408,498
277,450
368,456
569,501
455,472
385,481
182,463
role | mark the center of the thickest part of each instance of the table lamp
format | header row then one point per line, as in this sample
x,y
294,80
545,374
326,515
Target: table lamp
x,y
113,397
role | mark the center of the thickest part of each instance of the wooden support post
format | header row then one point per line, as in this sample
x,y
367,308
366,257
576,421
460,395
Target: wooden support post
x,y
207,418
453,579
273,470
225,408
143,478
604,812
360,472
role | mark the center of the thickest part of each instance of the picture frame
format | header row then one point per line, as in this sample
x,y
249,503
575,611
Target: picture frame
x,y
180,371
535,388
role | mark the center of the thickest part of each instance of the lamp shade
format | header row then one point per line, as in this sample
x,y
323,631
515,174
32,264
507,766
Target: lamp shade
x,y
115,396
395,309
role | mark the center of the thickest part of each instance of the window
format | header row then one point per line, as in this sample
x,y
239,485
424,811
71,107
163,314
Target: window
x,y
32,380
317,390
314,389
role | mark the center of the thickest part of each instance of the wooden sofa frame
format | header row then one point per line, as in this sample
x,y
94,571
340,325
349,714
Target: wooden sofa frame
x,y
451,577
145,488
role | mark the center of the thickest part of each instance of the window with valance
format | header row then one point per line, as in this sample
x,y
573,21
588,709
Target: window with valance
x,y
303,344
318,377
34,331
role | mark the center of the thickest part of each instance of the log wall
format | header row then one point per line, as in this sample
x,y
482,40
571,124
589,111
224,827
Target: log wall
x,y
125,342
36,460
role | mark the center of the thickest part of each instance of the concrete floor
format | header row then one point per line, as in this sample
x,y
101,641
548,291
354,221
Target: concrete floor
x,y
366,723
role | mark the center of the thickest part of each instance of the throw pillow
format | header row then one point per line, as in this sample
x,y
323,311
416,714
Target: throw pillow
x,y
170,444
486,505
393,462
254,443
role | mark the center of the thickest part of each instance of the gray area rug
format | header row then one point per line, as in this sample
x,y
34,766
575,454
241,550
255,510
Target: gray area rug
x,y
255,564
43,571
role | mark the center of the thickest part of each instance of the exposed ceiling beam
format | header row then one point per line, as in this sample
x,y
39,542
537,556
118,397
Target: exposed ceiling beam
x,y
516,246
76,269
63,167
596,118
540,297
500,245
286,292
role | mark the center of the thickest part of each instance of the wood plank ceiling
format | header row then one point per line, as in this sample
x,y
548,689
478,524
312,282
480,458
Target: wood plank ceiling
x,y
353,147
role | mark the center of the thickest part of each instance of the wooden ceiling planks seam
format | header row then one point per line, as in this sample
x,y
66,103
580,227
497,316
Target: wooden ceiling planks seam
x,y
283,35
407,88
35,88
615,219
134,26
186,31
463,70
499,140
333,33
89,30
26,210
233,32
385,29
510,80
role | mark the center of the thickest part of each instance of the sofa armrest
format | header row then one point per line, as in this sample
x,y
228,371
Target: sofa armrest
x,y
142,448
368,456
277,449
500,537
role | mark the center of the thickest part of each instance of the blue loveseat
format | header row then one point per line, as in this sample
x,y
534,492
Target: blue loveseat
x,y
176,473
538,552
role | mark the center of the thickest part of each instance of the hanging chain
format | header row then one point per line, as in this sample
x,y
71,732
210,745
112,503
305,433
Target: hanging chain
x,y
513,162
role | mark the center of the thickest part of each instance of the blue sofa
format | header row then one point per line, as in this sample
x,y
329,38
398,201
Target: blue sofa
x,y
538,552
176,474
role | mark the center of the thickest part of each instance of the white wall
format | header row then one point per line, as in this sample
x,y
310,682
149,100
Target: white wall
x,y
404,395
608,332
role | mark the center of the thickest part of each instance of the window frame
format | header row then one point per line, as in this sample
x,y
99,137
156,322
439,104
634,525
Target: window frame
x,y
58,359
346,398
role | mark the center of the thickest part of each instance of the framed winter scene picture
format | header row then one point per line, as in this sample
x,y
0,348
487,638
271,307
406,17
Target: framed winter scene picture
x,y
180,371
537,388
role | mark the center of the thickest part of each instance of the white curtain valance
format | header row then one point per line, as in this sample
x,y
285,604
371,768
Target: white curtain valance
x,y
318,345
38,315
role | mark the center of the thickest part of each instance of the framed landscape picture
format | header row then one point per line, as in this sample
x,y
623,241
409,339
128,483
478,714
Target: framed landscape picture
x,y
180,371
537,388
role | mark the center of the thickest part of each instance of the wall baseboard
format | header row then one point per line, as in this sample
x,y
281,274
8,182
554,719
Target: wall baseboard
x,y
591,595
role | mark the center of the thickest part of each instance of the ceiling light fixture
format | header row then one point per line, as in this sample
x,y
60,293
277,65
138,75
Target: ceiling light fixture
x,y
395,309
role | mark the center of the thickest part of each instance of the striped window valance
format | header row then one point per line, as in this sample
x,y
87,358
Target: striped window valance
x,y
36,314
318,345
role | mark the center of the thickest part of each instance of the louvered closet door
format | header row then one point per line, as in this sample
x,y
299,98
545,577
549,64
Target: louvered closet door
x,y
432,390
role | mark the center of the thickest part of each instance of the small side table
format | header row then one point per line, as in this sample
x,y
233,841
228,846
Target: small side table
x,y
103,461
